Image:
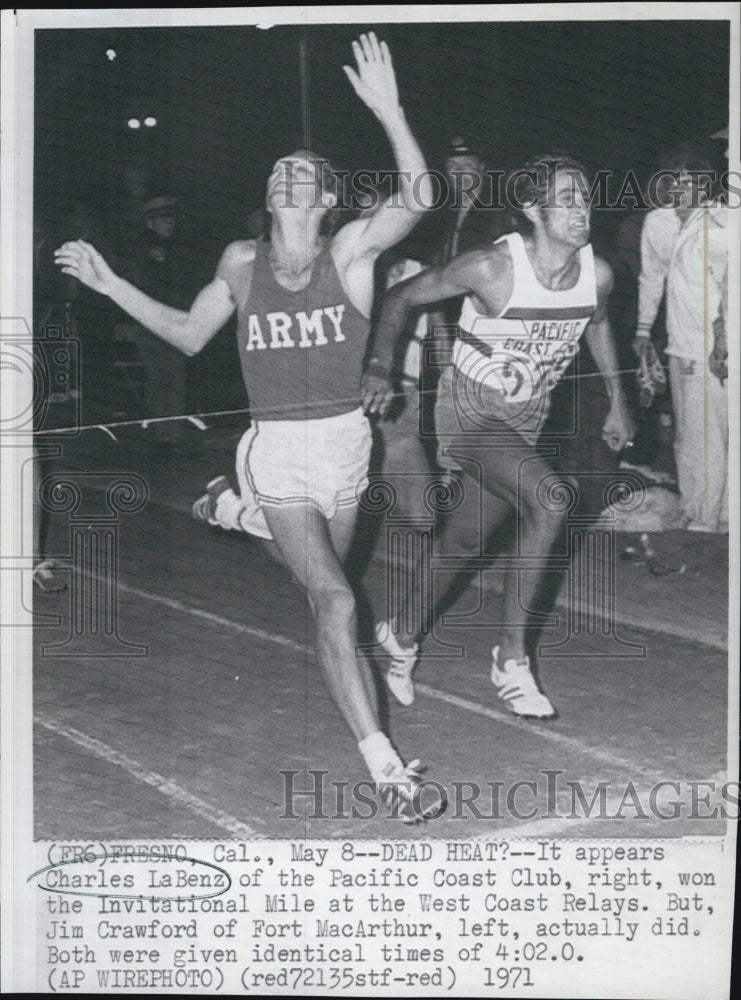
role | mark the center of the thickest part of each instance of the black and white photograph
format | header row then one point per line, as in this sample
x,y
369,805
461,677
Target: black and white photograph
x,y
371,465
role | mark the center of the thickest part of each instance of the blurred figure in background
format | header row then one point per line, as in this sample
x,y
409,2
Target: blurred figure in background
x,y
473,220
46,573
163,266
684,253
468,221
165,257
404,459
64,308
648,393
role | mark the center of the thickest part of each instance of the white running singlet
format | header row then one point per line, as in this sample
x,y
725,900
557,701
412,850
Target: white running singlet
x,y
523,352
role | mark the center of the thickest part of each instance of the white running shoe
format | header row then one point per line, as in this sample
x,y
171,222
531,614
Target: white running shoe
x,y
516,687
397,785
403,662
204,509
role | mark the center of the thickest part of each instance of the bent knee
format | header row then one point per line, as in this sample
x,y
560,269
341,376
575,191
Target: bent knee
x,y
336,602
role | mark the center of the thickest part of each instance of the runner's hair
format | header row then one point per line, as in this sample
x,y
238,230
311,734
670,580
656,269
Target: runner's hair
x,y
532,183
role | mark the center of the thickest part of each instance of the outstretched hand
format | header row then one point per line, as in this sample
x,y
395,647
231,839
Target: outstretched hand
x,y
82,261
377,394
374,81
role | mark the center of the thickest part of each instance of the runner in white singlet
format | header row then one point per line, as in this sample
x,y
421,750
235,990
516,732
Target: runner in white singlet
x,y
529,298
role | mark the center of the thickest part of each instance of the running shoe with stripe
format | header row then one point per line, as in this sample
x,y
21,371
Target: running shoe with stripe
x,y
516,687
400,788
204,509
403,662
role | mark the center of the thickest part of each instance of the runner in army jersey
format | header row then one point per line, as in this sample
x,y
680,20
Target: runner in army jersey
x,y
303,304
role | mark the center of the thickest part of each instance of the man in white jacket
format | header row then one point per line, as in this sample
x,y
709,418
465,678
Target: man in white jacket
x,y
684,251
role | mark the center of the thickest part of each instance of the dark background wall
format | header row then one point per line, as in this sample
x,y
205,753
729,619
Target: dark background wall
x,y
229,100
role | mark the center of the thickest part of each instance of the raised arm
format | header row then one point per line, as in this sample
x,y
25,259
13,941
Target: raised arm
x,y
374,82
619,427
188,331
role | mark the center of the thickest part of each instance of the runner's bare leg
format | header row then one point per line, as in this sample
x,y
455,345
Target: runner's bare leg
x,y
302,535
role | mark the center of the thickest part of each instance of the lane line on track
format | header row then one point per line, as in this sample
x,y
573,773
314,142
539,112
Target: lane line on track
x,y
557,828
532,726
502,718
172,790
619,616
209,616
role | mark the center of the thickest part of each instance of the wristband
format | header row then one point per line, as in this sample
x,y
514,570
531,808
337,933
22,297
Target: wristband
x,y
374,367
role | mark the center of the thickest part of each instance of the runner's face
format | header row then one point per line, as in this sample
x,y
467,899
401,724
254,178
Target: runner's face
x,y
295,182
565,218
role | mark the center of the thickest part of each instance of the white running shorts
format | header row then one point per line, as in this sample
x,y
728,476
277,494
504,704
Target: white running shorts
x,y
323,462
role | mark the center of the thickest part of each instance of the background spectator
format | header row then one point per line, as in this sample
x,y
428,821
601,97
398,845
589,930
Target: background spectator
x,y
684,254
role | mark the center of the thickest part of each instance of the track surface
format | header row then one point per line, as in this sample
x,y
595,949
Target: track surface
x,y
189,739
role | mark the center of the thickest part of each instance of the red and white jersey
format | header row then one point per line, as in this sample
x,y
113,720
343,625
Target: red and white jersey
x,y
525,350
